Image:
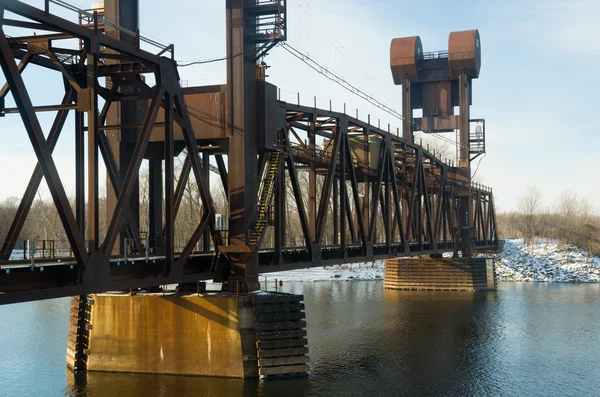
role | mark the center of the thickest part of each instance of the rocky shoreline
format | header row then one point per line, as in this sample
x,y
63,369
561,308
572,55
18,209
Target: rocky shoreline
x,y
546,261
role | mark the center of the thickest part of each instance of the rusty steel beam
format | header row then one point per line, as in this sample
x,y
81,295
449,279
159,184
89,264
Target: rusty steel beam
x,y
34,182
133,171
169,227
78,31
300,204
326,192
21,67
223,174
42,151
354,184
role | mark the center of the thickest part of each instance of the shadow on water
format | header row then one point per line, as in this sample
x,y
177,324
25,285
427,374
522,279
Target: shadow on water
x,y
119,384
525,339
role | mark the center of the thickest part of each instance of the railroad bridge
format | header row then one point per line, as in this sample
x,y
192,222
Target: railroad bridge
x,y
370,194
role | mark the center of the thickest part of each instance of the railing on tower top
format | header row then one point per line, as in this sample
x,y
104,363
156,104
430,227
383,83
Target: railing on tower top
x,y
425,56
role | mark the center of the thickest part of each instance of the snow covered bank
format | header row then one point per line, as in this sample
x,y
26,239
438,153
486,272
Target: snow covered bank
x,y
356,271
546,261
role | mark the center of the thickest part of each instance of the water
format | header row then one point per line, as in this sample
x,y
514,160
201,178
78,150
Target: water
x,y
525,339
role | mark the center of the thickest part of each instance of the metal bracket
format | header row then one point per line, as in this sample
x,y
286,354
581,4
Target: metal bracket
x,y
38,46
84,100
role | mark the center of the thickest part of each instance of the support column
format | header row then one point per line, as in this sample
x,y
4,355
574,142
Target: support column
x,y
206,169
343,131
243,178
126,14
312,181
242,336
169,234
280,217
465,164
440,274
407,127
366,201
336,196
80,172
92,83
155,204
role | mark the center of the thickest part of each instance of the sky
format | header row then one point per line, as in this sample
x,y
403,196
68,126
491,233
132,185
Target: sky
x,y
536,89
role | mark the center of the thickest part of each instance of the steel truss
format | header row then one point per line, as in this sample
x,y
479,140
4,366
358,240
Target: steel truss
x,y
409,203
400,200
100,56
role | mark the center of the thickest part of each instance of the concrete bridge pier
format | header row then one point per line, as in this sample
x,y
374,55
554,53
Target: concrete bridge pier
x,y
440,274
225,335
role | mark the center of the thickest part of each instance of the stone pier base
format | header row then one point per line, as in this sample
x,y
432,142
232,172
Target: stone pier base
x,y
440,274
221,335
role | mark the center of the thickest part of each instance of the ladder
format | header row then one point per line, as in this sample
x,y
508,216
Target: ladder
x,y
266,196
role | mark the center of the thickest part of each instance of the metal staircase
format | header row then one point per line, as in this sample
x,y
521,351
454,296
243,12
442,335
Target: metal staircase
x,y
267,189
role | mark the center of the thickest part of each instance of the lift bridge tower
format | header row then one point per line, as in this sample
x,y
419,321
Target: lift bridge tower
x,y
435,83
229,119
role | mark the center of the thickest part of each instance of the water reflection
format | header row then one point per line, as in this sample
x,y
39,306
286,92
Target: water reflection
x,y
526,339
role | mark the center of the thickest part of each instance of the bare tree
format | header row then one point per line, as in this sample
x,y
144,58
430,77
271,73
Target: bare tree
x,y
529,206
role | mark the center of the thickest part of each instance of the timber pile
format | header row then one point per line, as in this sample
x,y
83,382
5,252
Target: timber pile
x,y
436,274
281,342
79,330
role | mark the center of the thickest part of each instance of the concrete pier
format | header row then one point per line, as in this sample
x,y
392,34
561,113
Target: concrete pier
x,y
221,335
440,274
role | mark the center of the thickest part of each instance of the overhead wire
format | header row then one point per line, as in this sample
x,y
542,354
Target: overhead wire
x,y
329,35
205,61
349,86
318,67
354,89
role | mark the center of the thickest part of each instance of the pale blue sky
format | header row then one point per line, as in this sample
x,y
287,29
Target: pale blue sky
x,y
537,89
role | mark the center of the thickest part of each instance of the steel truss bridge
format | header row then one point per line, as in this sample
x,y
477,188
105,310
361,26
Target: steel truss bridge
x,y
371,195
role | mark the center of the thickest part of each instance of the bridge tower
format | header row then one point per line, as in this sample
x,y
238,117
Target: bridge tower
x,y
435,83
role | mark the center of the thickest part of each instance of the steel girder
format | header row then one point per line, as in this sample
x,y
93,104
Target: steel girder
x,y
360,204
411,210
93,269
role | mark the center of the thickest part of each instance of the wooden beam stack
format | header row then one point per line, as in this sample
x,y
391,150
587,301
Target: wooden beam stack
x,y
281,341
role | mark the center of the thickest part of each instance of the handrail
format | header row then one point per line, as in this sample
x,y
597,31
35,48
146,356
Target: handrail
x,y
433,55
102,19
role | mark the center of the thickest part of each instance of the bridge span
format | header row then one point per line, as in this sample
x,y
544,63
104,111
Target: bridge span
x,y
356,191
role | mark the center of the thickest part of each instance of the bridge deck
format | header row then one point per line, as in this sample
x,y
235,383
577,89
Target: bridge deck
x,y
54,278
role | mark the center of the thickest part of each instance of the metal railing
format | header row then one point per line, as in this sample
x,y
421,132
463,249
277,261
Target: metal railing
x,y
425,56
92,16
318,154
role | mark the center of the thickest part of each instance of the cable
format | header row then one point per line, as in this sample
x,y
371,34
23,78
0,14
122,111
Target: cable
x,y
478,164
183,65
339,80
339,43
316,66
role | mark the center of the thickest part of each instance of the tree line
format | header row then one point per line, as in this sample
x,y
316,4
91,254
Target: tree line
x,y
570,219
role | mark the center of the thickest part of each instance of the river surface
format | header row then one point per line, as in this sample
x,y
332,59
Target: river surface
x,y
525,339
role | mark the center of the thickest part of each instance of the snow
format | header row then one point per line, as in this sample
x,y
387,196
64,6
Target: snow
x,y
16,255
546,261
355,271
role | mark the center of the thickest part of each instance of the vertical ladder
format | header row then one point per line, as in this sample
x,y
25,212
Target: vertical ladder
x,y
266,196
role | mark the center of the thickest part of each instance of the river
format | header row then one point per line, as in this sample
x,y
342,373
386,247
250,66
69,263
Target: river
x,y
524,339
